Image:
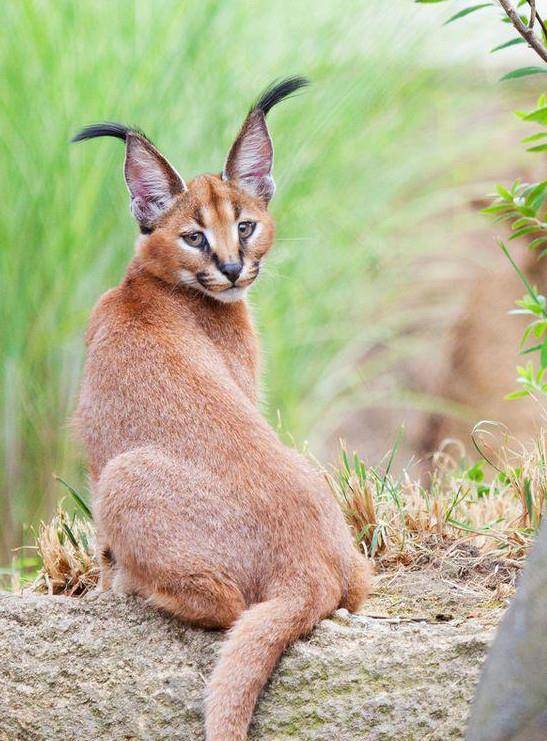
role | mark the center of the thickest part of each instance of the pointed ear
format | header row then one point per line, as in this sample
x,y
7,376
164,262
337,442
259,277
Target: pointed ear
x,y
250,160
152,182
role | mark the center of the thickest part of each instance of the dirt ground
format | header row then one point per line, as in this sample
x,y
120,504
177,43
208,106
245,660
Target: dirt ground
x,y
431,596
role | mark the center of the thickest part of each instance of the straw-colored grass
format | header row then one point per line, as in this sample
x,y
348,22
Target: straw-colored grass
x,y
66,548
482,527
367,164
457,510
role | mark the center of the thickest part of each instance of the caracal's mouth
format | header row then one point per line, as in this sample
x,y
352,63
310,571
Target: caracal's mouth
x,y
228,295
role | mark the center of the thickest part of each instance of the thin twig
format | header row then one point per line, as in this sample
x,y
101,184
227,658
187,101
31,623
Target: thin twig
x,y
532,4
542,24
397,620
540,19
526,33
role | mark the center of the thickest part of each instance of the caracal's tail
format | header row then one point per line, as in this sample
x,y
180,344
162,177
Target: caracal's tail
x,y
248,657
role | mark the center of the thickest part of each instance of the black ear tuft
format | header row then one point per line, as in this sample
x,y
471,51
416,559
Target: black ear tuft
x,y
105,128
153,183
250,158
278,91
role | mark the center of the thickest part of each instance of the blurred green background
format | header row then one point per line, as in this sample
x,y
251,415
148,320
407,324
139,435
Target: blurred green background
x,y
399,127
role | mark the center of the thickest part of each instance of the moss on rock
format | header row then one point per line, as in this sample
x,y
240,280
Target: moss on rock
x,y
108,667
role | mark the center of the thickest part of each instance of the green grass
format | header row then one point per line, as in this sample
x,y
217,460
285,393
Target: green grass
x,y
365,162
457,505
483,523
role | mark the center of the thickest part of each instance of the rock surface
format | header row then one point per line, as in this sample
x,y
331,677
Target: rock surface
x,y
108,667
511,701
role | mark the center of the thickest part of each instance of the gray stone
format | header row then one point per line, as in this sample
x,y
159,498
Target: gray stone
x,y
511,701
108,667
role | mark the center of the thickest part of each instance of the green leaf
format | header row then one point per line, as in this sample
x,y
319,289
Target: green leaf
x,y
516,395
475,473
466,11
71,536
496,208
536,242
539,115
534,137
85,541
77,498
468,528
543,354
524,221
376,541
537,148
535,194
523,231
524,72
528,499
504,193
528,350
511,42
345,459
519,272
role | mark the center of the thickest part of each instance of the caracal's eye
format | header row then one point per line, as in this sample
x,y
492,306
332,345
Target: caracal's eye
x,y
246,228
195,239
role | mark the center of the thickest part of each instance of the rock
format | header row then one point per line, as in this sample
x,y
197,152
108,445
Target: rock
x,y
511,702
109,667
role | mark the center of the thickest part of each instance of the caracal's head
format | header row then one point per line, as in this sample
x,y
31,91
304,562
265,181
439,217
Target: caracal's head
x,y
212,233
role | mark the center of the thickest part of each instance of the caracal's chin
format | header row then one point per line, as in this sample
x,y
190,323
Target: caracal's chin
x,y
228,296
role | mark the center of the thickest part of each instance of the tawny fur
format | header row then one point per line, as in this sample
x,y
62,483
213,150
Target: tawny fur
x,y
199,507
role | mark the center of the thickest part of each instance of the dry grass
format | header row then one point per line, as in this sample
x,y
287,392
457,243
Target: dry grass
x,y
482,527
66,547
459,521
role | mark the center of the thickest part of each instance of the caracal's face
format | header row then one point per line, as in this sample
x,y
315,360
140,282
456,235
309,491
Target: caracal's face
x,y
213,239
211,234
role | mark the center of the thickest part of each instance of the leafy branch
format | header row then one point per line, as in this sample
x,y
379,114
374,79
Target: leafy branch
x,y
524,25
523,205
532,304
527,30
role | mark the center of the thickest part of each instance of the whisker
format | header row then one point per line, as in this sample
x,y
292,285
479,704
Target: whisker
x,y
294,239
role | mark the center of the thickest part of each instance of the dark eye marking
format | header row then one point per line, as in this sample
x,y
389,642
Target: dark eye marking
x,y
198,240
198,217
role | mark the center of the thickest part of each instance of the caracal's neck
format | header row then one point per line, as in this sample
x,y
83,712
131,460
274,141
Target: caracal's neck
x,y
228,325
206,309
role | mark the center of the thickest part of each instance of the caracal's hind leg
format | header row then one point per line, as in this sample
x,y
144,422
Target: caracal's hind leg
x,y
105,566
203,601
148,509
360,583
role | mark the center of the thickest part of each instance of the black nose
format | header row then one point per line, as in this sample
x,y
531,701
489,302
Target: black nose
x,y
231,270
